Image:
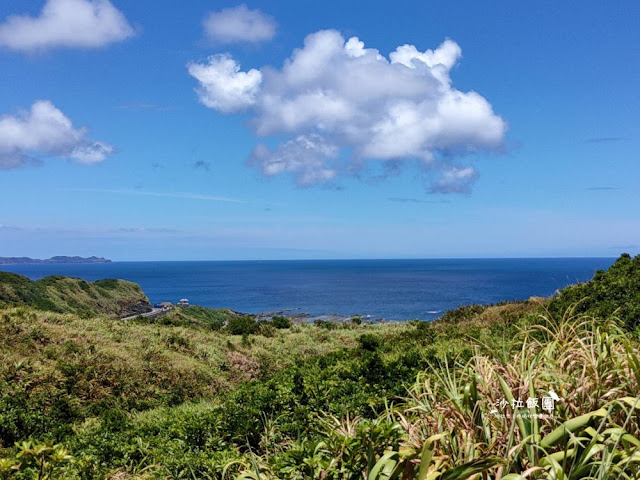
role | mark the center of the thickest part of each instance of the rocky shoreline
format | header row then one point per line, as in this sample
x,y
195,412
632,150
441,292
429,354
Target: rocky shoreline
x,y
308,317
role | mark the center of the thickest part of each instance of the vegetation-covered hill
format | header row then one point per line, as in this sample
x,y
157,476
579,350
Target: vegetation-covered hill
x,y
74,295
504,392
612,292
57,369
214,318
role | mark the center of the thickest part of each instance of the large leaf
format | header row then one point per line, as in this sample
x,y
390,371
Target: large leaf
x,y
571,426
477,466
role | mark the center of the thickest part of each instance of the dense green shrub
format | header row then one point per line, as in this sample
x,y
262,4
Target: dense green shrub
x,y
369,341
461,314
267,329
615,292
108,283
244,325
281,322
327,325
425,330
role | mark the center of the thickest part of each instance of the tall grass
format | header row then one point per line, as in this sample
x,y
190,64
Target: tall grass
x,y
591,366
470,419
465,416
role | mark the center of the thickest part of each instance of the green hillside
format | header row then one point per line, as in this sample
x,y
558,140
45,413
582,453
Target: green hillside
x,y
519,390
74,295
612,292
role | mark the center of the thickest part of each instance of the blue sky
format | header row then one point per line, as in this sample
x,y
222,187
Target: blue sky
x,y
214,130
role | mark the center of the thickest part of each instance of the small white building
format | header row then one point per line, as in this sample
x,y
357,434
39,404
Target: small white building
x,y
165,306
183,302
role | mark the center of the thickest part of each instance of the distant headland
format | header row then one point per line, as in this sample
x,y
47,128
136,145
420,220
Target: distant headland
x,y
57,259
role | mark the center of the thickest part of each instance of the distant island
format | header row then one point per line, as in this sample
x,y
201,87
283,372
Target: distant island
x,y
52,260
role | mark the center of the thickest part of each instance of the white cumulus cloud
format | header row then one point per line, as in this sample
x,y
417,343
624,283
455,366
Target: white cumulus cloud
x,y
239,25
45,131
66,23
223,86
335,98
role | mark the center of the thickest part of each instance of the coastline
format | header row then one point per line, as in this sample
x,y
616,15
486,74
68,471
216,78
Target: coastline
x,y
379,289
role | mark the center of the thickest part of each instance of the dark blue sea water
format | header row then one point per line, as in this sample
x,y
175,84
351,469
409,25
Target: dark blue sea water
x,y
389,289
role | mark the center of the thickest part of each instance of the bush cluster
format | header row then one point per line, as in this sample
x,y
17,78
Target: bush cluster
x,y
612,292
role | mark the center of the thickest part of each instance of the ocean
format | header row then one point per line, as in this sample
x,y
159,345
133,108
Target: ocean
x,y
375,289
387,289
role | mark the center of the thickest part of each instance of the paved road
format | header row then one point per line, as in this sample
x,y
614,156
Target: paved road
x,y
155,312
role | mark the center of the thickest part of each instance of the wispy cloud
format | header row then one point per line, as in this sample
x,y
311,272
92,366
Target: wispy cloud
x,y
455,180
147,230
601,188
239,25
184,195
146,107
10,227
414,200
603,140
88,231
622,248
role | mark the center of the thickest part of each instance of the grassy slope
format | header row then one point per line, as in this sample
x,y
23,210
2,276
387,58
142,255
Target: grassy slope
x,y
74,295
60,370
310,402
57,367
612,292
214,318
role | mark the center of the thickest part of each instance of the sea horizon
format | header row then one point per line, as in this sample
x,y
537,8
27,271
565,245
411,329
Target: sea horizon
x,y
389,289
370,258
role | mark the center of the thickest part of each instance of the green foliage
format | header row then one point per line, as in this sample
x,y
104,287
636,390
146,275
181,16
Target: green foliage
x,y
41,461
327,325
369,341
267,329
333,416
461,314
425,330
17,289
242,325
57,370
280,322
195,315
107,283
329,400
73,295
612,292
176,340
245,341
